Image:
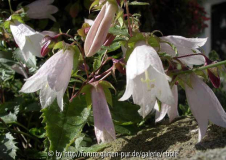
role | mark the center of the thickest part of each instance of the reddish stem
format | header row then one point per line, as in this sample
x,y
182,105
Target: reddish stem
x,y
128,15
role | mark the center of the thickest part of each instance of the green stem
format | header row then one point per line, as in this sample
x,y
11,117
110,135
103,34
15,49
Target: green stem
x,y
17,123
26,134
10,7
200,68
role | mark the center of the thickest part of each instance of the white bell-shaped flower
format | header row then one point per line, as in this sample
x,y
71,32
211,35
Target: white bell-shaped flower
x,y
184,46
52,78
27,39
146,79
41,9
204,105
171,111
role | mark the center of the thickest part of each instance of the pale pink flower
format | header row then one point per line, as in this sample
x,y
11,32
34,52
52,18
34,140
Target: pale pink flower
x,y
52,78
184,46
104,127
204,105
172,111
99,30
41,9
146,79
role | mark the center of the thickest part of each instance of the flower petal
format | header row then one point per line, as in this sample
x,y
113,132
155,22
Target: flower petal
x,y
61,72
186,42
141,58
41,9
204,105
167,109
185,46
46,95
104,127
98,32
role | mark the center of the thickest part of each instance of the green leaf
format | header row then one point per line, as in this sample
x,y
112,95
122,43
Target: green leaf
x,y
125,112
8,147
96,62
138,3
108,96
8,112
106,84
76,57
59,45
63,126
116,30
153,41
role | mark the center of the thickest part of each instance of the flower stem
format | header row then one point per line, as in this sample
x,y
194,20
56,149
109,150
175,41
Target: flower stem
x,y
200,68
128,15
10,7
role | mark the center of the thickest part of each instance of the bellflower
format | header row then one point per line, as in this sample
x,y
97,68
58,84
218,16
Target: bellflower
x,y
52,78
167,109
104,127
99,30
41,9
146,79
184,46
204,105
27,39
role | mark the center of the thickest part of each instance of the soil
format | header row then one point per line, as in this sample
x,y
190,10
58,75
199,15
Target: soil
x,y
178,140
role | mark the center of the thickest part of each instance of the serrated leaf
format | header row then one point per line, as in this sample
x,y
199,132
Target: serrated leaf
x,y
96,63
136,3
9,115
8,147
125,112
63,127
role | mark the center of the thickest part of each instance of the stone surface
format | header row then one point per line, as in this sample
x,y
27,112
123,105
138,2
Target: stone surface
x,y
178,138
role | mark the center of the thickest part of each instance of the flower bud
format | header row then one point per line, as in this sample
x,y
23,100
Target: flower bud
x,y
104,127
46,44
109,39
99,30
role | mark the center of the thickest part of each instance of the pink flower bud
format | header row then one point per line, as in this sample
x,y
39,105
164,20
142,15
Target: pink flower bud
x,y
215,80
45,44
99,30
104,127
109,39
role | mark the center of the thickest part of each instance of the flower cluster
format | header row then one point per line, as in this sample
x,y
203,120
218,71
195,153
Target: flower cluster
x,y
149,81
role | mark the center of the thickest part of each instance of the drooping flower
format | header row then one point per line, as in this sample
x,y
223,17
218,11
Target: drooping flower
x,y
184,46
167,109
41,9
99,30
204,105
27,39
146,79
52,78
104,127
